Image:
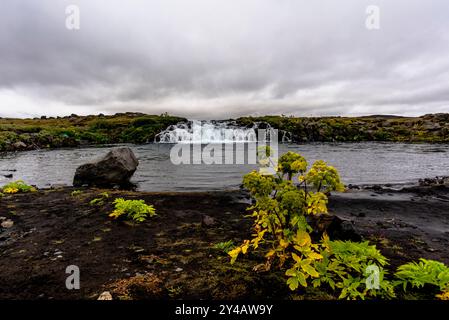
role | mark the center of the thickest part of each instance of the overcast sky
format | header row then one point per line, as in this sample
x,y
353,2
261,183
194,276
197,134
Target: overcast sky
x,y
221,58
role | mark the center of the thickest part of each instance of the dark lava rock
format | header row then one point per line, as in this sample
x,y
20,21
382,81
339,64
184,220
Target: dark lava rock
x,y
337,228
343,230
376,188
114,169
434,181
207,221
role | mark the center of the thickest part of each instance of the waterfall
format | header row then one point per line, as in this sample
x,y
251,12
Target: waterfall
x,y
205,132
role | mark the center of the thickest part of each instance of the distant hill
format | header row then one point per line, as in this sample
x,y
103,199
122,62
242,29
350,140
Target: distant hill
x,y
73,130
131,127
427,128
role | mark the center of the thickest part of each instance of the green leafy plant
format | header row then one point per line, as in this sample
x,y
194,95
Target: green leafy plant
x,y
345,266
283,212
424,272
225,246
16,187
283,208
76,193
101,200
136,210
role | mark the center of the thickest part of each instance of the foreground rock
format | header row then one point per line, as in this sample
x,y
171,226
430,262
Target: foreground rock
x,y
114,169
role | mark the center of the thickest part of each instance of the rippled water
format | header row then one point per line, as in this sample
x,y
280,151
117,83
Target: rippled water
x,y
358,163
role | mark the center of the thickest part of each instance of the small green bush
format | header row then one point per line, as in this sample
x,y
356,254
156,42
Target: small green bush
x,y
424,272
282,212
136,210
16,187
344,266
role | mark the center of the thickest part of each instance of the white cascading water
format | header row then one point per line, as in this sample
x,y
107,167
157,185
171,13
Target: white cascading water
x,y
197,131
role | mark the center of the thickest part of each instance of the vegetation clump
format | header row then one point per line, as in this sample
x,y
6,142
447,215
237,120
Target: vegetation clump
x,y
283,209
425,272
73,131
427,128
136,210
225,246
285,206
100,200
17,187
76,193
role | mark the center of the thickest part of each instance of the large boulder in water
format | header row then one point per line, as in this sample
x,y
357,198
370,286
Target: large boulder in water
x,y
114,169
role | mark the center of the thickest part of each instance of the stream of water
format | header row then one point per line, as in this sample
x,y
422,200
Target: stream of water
x,y
358,163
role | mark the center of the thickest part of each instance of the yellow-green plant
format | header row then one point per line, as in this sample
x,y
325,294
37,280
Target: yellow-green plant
x,y
16,187
76,193
346,266
424,272
136,210
285,203
282,212
225,246
100,200
283,207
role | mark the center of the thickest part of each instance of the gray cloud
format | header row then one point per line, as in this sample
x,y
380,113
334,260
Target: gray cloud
x,y
221,59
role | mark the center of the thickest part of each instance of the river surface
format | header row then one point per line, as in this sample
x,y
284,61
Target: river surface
x,y
358,163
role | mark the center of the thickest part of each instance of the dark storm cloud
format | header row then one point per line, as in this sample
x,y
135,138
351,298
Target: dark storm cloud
x,y
220,59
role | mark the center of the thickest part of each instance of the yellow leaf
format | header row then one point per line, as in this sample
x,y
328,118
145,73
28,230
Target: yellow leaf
x,y
115,214
283,243
270,253
315,256
245,246
310,270
296,257
443,296
292,283
302,279
234,254
303,238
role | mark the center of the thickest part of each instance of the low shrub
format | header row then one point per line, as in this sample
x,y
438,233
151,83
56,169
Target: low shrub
x,y
282,213
346,266
17,187
136,210
424,272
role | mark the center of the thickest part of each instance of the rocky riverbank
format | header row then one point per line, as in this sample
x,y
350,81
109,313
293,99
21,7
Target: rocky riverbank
x,y
74,131
177,254
428,128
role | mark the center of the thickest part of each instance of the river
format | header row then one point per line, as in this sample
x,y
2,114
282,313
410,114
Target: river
x,y
358,163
